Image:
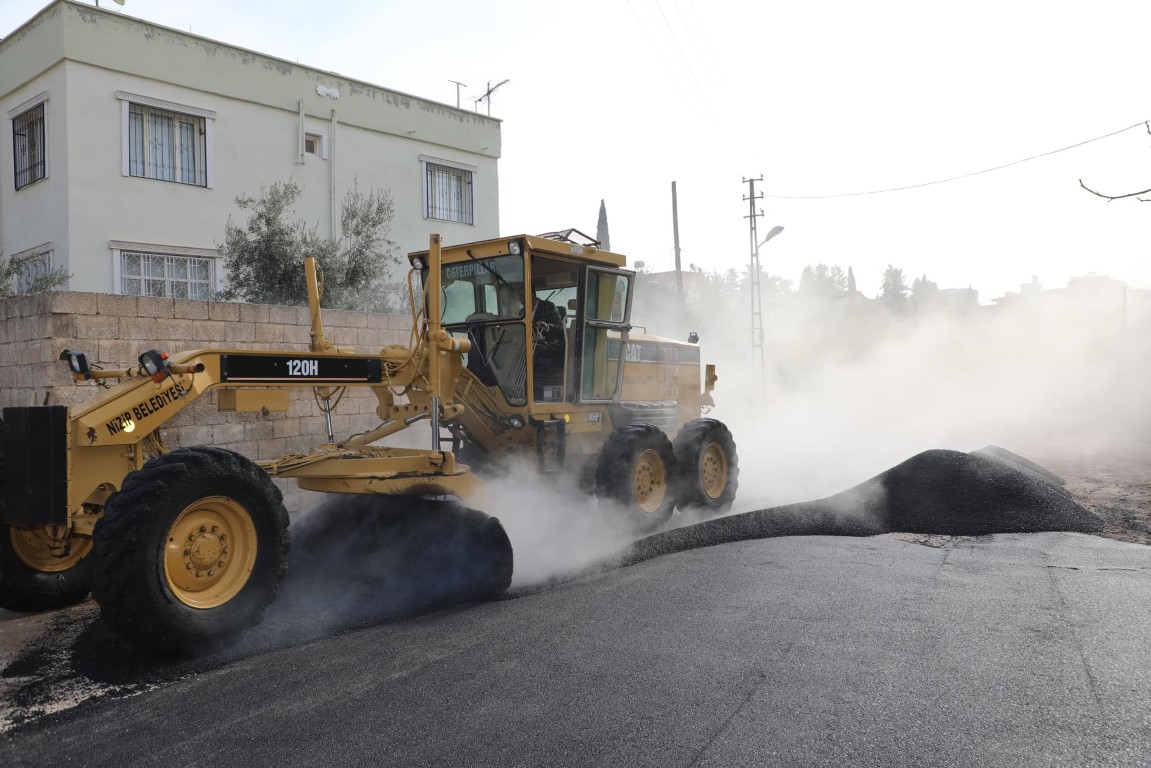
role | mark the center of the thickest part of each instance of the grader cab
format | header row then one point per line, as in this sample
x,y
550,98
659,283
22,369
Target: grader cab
x,y
594,398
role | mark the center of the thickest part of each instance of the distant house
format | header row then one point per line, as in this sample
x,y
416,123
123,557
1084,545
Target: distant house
x,y
131,141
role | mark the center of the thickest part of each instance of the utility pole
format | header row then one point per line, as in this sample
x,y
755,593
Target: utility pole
x,y
753,278
675,232
458,85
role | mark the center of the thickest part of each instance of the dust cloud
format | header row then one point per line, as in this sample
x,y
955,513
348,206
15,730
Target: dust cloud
x,y
851,387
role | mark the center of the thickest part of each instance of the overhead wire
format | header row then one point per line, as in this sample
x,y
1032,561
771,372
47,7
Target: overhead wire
x,y
686,63
955,178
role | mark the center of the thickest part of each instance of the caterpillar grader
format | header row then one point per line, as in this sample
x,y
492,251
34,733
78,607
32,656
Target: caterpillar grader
x,y
185,549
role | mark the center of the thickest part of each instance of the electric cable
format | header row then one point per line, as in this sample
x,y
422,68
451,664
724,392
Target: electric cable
x,y
954,178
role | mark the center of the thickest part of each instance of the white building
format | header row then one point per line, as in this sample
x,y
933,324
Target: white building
x,y
131,141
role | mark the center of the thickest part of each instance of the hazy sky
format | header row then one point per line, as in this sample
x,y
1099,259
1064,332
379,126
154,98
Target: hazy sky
x,y
615,99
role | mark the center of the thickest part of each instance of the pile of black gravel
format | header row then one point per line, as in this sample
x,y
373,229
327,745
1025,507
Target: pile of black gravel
x,y
362,558
936,492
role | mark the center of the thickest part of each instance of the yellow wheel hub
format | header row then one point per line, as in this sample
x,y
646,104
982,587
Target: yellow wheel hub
x,y
713,470
49,548
210,552
649,481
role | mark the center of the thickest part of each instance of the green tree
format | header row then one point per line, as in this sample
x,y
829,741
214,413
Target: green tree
x,y
893,290
16,266
264,259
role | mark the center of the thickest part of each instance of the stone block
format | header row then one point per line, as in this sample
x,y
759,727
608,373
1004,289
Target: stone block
x,y
120,306
267,333
254,313
294,334
271,449
225,434
223,310
138,329
261,430
240,332
187,309
96,326
285,428
147,306
113,353
282,315
212,332
74,302
195,435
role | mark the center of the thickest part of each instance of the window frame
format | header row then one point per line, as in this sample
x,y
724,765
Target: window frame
x,y
321,139
38,102
198,115
467,212
46,251
121,248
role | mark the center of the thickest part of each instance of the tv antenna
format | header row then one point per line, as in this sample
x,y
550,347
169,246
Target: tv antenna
x,y
458,85
488,95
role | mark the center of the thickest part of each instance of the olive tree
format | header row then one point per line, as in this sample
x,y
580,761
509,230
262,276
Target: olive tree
x,y
264,258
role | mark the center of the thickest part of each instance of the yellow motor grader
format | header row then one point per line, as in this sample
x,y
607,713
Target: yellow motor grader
x,y
185,548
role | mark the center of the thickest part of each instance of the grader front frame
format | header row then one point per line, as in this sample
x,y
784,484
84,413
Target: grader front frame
x,y
186,547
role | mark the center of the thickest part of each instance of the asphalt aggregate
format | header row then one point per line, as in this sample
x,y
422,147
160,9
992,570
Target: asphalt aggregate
x,y
754,639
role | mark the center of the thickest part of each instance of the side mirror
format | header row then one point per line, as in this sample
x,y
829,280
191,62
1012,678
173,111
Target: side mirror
x,y
693,338
77,362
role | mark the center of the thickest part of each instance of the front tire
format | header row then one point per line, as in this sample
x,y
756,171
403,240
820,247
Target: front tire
x,y
708,466
191,551
636,472
44,567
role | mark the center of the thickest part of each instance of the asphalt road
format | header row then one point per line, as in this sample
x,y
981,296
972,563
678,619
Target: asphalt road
x,y
1012,650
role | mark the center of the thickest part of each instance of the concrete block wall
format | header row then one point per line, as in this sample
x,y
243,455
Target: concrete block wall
x,y
114,330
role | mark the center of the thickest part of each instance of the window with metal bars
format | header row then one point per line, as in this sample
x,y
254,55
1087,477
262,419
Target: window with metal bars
x,y
28,146
449,193
166,145
34,268
166,276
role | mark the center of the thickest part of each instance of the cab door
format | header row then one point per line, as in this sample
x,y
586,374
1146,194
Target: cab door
x,y
604,321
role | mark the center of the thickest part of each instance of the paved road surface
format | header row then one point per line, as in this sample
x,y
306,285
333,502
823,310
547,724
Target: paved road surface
x,y
1011,650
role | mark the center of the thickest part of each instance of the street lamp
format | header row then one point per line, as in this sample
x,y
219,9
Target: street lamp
x,y
774,231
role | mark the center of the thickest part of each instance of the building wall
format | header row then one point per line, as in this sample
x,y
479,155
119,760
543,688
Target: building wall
x,y
114,330
81,56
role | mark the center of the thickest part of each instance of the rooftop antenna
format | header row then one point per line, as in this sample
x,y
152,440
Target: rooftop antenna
x,y
117,2
458,84
488,95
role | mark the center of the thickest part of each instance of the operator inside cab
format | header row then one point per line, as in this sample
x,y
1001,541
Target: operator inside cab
x,y
549,344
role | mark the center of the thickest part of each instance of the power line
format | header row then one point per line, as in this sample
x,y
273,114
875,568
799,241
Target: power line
x,y
954,178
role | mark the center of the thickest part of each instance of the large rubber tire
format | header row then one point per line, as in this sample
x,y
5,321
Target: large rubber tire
x,y
31,577
191,551
708,466
636,475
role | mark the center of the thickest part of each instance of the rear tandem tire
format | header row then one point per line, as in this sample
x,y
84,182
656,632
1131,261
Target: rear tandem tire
x,y
708,466
191,551
44,567
637,472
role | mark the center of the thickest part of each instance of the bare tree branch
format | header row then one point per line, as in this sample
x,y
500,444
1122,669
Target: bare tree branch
x,y
1114,197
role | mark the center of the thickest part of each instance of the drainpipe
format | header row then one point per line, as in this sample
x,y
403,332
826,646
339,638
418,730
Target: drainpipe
x,y
332,174
300,137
